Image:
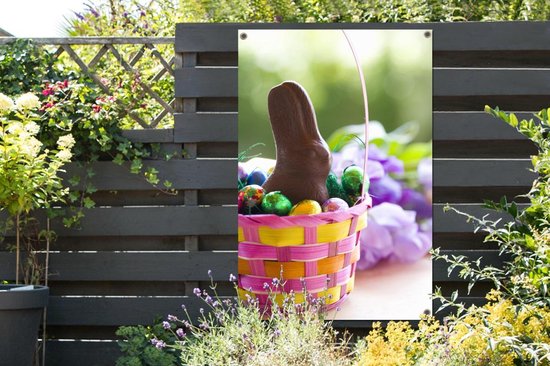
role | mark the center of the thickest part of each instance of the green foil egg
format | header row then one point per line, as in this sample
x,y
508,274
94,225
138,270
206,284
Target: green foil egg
x,y
335,189
352,180
276,203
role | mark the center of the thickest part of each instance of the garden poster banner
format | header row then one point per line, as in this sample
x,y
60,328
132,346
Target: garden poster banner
x,y
330,210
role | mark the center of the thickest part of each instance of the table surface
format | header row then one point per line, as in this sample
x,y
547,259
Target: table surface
x,y
389,291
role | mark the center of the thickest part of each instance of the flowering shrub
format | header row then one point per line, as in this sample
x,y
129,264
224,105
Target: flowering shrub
x,y
234,332
29,172
513,328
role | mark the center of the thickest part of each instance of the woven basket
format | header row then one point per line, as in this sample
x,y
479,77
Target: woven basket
x,y
312,254
315,253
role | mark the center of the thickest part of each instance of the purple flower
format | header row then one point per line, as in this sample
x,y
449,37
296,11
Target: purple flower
x,y
232,277
208,299
158,343
392,233
180,333
197,291
413,200
78,15
183,307
424,171
275,281
172,318
166,325
276,333
385,189
266,286
210,273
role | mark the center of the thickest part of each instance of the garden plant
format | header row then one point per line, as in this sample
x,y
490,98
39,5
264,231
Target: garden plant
x,y
512,328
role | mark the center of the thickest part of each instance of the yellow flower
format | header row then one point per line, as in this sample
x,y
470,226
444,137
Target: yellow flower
x,y
27,101
6,104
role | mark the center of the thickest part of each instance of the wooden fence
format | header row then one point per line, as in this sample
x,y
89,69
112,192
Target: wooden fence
x,y
140,253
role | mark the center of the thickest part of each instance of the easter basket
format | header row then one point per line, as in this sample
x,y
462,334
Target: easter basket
x,y
313,254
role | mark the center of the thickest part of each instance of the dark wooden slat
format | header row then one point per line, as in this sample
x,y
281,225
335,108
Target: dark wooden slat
x,y
505,102
478,194
488,257
160,135
508,59
481,82
182,173
218,150
217,59
205,127
491,149
116,288
153,221
217,197
482,173
109,311
219,104
456,126
206,82
467,36
82,353
156,266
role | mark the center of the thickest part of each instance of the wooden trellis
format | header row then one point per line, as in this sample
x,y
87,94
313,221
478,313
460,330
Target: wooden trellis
x,y
109,47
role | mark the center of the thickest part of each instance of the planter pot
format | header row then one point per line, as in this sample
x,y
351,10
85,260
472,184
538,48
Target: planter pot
x,y
20,317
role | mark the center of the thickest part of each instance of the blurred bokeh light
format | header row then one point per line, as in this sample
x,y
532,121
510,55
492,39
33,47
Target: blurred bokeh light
x,y
397,65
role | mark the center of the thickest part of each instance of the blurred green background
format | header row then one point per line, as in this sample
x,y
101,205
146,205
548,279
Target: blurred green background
x,y
397,65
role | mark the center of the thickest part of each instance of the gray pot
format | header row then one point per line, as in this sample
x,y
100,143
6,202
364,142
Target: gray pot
x,y
20,317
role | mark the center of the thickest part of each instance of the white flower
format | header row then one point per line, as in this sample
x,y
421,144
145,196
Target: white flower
x,y
6,104
32,128
14,128
31,147
27,101
64,155
66,142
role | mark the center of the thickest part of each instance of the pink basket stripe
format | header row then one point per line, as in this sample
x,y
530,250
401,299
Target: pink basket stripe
x,y
283,254
311,284
353,225
257,267
311,269
310,235
300,253
251,234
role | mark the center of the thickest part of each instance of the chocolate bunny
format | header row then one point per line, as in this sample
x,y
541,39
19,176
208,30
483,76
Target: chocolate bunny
x,y
303,157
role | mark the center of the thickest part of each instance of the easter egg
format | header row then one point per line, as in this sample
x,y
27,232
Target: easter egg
x,y
335,189
242,172
352,180
252,195
276,203
257,176
306,207
240,202
334,204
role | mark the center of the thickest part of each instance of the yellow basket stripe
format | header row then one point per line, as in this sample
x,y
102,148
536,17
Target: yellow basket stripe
x,y
295,235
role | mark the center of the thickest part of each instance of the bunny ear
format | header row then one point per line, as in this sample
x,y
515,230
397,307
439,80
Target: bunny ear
x,y
292,115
